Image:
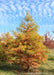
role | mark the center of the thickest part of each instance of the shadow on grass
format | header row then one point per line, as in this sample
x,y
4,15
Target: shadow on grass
x,y
4,67
9,67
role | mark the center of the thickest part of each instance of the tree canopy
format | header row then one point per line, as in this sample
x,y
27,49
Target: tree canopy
x,y
26,46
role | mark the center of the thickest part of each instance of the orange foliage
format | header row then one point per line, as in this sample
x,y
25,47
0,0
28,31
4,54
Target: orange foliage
x,y
26,47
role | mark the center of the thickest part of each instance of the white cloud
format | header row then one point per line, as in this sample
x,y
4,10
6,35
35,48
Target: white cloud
x,y
25,8
45,12
40,6
35,0
16,15
13,7
2,10
28,0
33,6
23,3
19,7
20,14
52,4
3,18
24,13
48,9
11,2
18,1
5,7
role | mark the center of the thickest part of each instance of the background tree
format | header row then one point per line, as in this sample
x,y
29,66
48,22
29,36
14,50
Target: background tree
x,y
53,31
5,45
48,42
27,48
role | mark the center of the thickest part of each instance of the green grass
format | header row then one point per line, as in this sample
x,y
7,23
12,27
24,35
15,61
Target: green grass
x,y
7,73
49,65
8,69
51,55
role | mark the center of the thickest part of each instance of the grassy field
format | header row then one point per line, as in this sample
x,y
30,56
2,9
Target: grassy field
x,y
7,73
48,67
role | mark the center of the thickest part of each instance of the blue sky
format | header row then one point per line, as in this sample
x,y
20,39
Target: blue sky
x,y
12,11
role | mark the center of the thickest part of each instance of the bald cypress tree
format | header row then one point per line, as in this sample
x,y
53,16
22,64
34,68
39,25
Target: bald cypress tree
x,y
28,49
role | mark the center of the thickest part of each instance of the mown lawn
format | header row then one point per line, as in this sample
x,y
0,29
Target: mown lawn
x,y
49,65
7,73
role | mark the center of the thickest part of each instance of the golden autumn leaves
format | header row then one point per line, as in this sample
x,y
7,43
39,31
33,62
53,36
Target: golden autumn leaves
x,y
26,46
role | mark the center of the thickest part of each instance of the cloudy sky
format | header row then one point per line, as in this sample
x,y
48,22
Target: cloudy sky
x,y
12,12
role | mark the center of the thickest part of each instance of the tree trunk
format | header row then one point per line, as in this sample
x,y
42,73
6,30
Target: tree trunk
x,y
27,69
